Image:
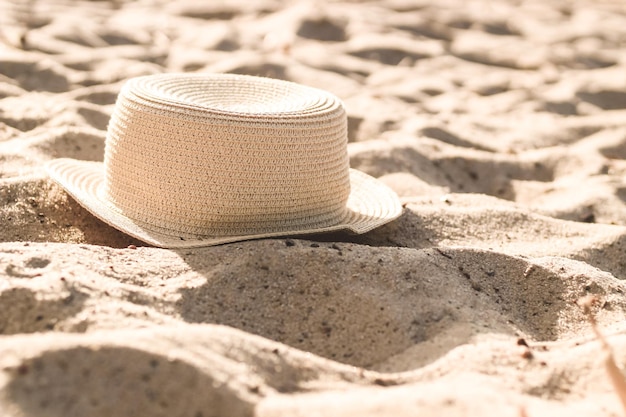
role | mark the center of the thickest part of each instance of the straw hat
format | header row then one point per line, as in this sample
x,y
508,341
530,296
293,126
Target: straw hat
x,y
204,159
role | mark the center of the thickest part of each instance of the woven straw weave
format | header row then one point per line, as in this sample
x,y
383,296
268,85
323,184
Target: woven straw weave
x,y
225,157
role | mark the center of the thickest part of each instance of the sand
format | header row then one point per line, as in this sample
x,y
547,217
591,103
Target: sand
x,y
502,126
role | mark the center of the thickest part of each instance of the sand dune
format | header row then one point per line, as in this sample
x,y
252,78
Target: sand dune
x,y
501,125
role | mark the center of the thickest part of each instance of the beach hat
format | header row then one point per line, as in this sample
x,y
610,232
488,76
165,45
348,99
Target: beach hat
x,y
203,159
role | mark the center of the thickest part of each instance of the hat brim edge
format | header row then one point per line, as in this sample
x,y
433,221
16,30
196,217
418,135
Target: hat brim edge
x,y
371,205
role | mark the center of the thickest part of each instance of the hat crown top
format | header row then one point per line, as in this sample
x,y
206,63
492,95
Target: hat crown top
x,y
227,154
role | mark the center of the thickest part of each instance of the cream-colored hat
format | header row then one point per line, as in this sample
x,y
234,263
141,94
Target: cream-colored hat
x,y
204,159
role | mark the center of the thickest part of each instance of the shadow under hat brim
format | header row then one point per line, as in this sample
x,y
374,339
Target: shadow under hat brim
x,y
370,205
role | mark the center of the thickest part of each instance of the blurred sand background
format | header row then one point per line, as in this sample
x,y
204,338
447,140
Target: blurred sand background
x,y
501,124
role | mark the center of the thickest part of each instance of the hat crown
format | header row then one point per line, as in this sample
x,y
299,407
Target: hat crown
x,y
227,154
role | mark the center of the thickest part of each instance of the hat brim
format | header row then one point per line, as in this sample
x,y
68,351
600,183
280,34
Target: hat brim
x,y
370,205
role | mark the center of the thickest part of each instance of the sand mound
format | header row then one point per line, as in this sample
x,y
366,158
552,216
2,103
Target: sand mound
x,y
500,125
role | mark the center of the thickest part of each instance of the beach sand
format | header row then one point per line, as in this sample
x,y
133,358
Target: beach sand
x,y
501,125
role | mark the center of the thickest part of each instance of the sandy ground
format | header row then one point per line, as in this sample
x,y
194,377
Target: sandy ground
x,y
501,124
